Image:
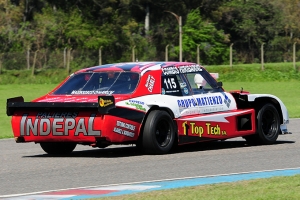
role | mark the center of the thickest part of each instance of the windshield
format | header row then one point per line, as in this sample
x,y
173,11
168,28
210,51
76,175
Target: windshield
x,y
100,83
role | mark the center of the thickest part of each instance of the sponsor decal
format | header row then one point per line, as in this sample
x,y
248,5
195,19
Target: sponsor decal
x,y
227,101
123,128
105,102
170,70
163,91
191,111
200,101
137,104
171,85
183,85
173,92
92,92
199,130
57,123
189,68
150,83
211,109
186,91
181,69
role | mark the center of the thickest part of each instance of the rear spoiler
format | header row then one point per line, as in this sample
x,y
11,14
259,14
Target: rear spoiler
x,y
104,104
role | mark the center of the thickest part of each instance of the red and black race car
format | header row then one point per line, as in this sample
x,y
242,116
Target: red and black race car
x,y
154,105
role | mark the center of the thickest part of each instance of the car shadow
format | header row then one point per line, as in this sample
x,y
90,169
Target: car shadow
x,y
219,145
132,150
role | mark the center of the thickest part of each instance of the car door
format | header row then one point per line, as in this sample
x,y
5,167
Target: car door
x,y
213,107
177,87
209,96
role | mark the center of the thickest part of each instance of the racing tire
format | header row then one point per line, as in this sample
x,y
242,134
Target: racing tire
x,y
158,133
267,126
56,148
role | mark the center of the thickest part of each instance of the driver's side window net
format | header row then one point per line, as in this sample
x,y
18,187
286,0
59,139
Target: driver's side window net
x,y
198,84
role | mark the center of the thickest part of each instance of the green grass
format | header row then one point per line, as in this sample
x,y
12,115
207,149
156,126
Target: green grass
x,y
253,72
28,91
288,92
261,189
239,72
45,76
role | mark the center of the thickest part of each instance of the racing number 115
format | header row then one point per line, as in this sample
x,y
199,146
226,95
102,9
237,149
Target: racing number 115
x,y
170,82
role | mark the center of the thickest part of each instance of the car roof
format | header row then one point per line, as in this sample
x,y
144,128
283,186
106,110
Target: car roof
x,y
137,66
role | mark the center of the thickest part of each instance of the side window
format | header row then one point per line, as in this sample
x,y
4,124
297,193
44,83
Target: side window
x,y
170,85
184,86
198,84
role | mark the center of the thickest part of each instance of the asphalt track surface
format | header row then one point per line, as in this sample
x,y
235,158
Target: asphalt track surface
x,y
25,168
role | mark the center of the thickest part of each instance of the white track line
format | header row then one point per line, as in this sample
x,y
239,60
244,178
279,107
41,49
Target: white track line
x,y
131,183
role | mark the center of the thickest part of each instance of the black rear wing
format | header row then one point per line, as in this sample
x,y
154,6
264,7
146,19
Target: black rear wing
x,y
104,104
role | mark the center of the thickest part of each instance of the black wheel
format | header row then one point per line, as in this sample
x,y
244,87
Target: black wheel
x,y
267,126
158,133
58,147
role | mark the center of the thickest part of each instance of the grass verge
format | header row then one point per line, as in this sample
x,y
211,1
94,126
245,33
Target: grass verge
x,y
267,189
28,91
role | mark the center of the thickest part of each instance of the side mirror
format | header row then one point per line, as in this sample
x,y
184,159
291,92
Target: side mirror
x,y
219,84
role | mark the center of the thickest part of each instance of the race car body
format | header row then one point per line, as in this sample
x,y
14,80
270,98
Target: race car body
x,y
154,105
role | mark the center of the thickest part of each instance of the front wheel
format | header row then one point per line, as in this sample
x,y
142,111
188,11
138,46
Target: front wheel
x,y
267,127
58,147
158,133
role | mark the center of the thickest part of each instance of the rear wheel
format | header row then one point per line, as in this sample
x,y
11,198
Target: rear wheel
x,y
58,147
158,133
267,126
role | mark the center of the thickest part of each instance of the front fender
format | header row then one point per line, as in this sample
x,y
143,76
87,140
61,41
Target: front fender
x,y
284,111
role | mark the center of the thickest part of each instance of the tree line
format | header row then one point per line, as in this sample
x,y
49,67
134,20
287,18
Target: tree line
x,y
118,26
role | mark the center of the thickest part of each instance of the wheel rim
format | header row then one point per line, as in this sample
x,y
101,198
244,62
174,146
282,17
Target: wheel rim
x,y
269,123
163,133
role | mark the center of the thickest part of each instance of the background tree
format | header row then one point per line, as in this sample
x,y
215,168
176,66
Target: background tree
x,y
118,25
250,23
213,47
